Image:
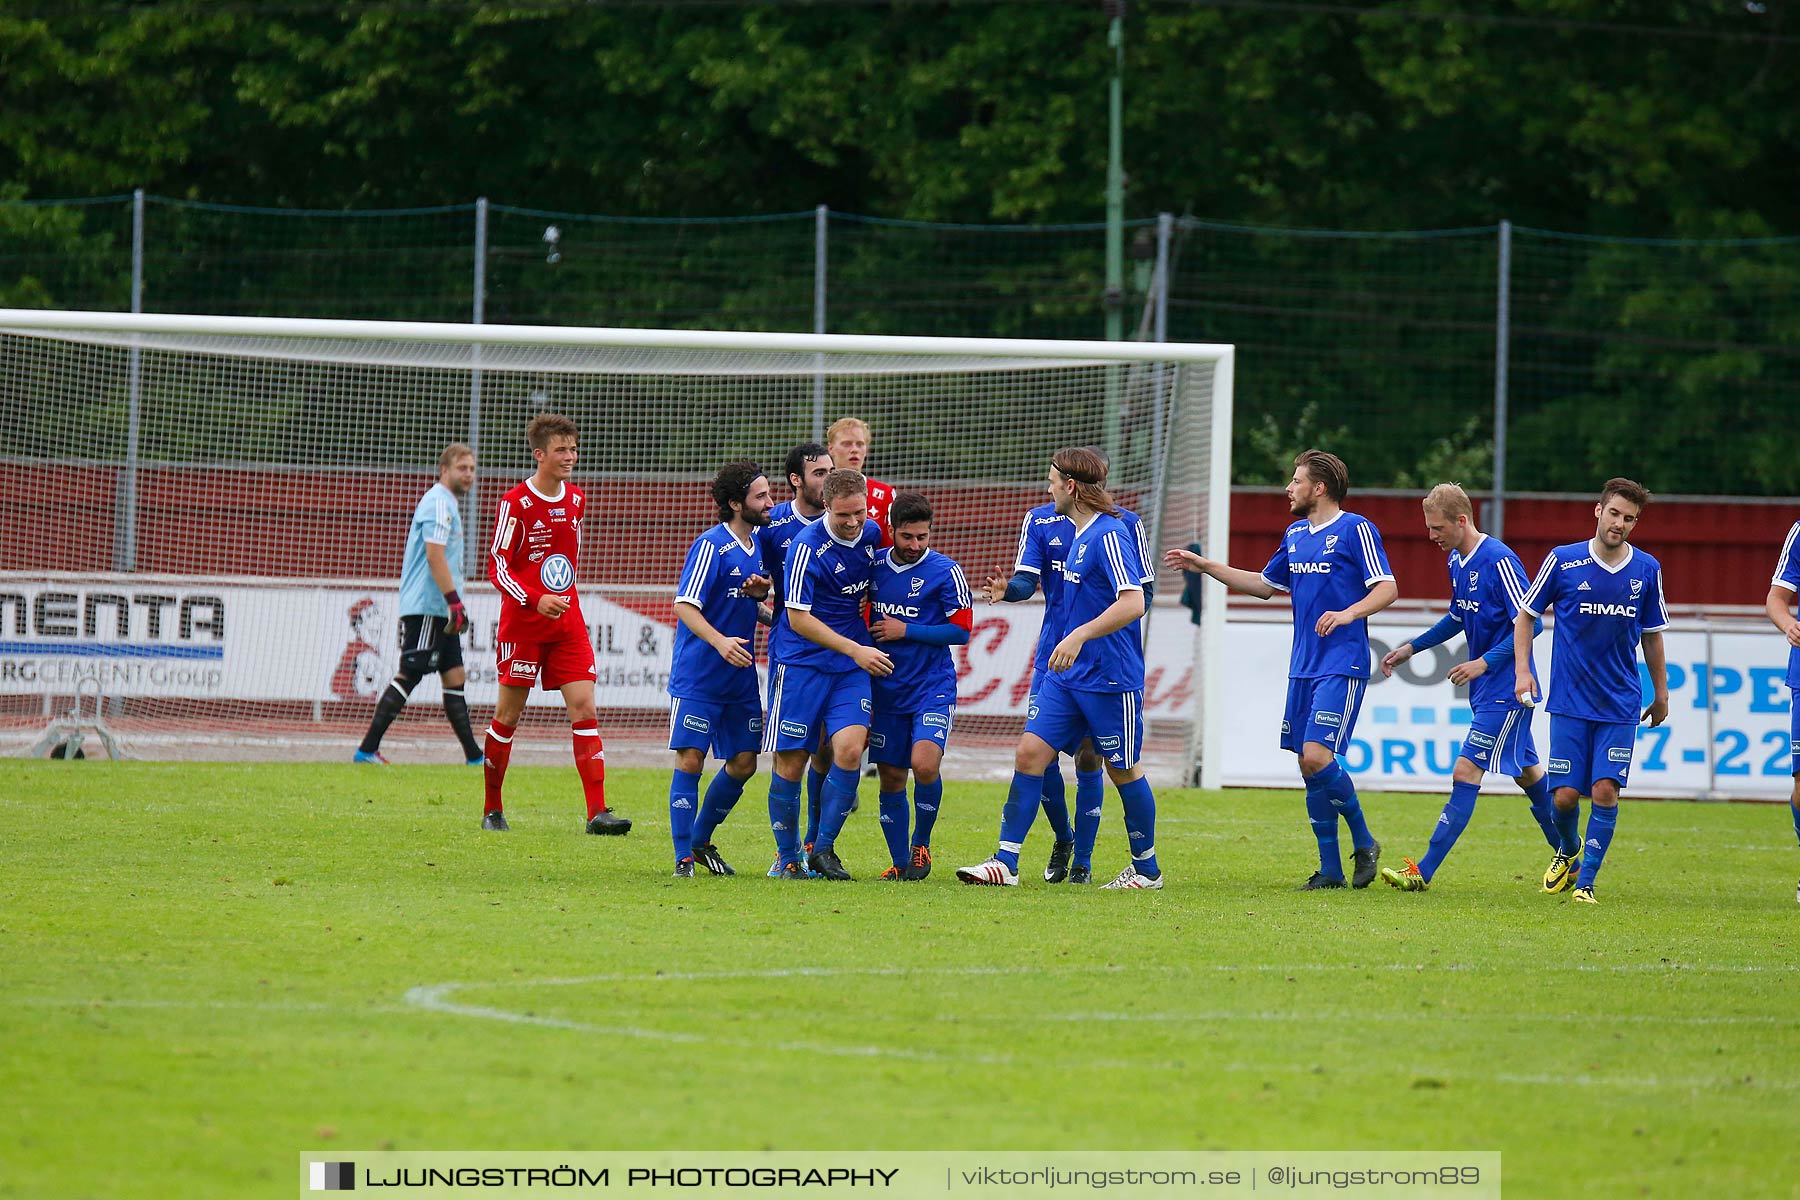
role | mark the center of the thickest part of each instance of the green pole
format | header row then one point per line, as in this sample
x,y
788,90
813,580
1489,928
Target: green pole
x,y
1114,299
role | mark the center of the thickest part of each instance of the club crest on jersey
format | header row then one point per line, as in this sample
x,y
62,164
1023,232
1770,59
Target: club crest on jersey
x,y
557,574
914,586
1330,542
1637,588
1474,576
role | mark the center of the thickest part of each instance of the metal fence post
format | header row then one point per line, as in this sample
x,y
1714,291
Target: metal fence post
x,y
477,316
1502,350
821,247
1159,324
125,551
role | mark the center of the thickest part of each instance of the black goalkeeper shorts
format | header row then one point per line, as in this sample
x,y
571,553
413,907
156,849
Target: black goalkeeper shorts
x,y
425,648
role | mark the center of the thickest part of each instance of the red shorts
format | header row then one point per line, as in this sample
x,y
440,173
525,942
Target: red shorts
x,y
566,660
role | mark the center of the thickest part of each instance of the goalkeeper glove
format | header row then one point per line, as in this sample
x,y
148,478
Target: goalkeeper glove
x,y
459,614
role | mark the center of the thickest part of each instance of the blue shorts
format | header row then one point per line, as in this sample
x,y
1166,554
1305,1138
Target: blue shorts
x,y
1500,741
1063,716
807,707
1323,710
1583,752
1037,685
1794,718
891,735
726,729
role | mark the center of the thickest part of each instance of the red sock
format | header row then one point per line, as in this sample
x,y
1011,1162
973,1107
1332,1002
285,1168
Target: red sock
x,y
590,761
498,748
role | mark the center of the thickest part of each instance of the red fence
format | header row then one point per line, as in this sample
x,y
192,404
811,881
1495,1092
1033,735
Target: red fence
x,y
352,525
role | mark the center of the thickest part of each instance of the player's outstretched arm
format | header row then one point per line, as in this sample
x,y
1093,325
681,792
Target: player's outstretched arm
x,y
1777,605
1658,712
1250,583
734,650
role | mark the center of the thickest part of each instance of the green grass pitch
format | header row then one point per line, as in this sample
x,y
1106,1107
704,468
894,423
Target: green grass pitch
x,y
207,969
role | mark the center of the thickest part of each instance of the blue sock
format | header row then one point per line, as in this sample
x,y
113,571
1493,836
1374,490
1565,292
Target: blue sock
x,y
722,795
1341,791
1568,829
1015,819
1323,819
1543,811
1056,806
893,827
784,816
1090,798
1599,837
927,799
815,794
834,804
1795,810
1451,823
684,800
1140,824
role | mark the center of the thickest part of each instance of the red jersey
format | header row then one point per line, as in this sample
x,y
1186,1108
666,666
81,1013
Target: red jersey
x,y
881,498
536,551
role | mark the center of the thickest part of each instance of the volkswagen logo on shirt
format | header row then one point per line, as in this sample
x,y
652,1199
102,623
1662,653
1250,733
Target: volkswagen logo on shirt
x,y
557,575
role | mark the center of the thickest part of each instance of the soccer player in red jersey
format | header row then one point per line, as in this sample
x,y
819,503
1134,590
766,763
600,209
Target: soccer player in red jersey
x,y
848,442
542,638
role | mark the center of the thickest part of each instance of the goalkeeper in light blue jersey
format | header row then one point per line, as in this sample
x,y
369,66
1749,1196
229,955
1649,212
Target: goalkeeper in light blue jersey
x,y
432,615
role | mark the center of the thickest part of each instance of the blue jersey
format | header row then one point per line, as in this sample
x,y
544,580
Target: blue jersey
x,y
1327,569
927,592
1102,564
438,521
711,581
773,540
830,580
1044,539
1487,590
1602,613
1787,575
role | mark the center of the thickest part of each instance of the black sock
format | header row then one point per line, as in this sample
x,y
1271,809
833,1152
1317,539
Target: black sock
x,y
458,711
393,699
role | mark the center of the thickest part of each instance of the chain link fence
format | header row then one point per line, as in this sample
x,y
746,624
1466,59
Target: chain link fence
x,y
1512,359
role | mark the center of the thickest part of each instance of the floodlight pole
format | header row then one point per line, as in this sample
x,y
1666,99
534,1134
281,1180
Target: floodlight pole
x,y
1114,297
125,542
477,316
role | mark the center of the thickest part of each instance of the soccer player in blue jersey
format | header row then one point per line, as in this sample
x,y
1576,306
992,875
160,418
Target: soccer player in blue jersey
x,y
1044,537
921,608
806,467
1608,597
825,658
1782,590
712,679
1095,688
1487,586
432,614
1333,564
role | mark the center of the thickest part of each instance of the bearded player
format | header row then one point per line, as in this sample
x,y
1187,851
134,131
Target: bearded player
x,y
543,638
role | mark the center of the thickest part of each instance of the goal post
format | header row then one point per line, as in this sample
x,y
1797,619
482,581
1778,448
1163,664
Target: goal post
x,y
202,517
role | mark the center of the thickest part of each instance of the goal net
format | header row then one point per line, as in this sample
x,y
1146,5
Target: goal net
x,y
202,518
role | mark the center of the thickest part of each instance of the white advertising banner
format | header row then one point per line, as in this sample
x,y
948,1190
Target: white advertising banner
x,y
1728,730
226,640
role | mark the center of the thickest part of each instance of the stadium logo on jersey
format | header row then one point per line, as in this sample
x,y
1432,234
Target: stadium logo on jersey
x,y
558,573
1637,588
792,729
697,724
1557,766
1618,754
1572,564
935,721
